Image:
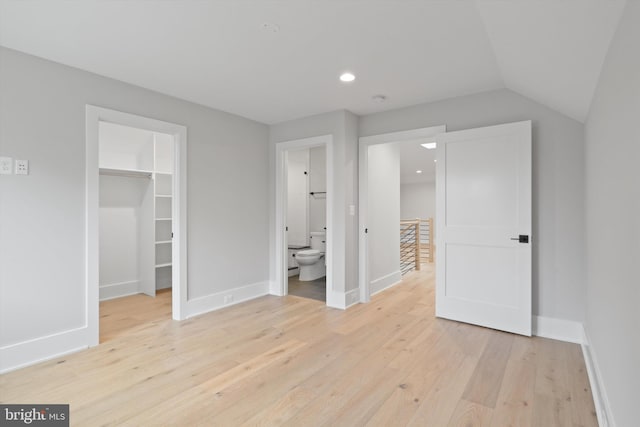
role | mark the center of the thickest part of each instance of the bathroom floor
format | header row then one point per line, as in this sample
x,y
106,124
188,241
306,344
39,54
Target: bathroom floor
x,y
315,289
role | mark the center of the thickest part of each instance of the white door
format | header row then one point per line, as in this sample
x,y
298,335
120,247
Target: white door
x,y
483,214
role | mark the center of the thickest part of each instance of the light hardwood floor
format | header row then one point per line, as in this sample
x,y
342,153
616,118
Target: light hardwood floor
x,y
292,361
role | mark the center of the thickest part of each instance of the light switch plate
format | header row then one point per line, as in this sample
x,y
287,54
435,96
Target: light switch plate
x,y
6,165
22,167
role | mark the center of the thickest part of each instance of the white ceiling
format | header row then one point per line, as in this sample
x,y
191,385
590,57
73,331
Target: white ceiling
x,y
216,54
414,157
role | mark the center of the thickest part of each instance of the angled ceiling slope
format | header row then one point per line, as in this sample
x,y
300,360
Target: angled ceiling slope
x,y
218,54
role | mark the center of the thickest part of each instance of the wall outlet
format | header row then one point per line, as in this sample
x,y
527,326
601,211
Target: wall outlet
x,y
22,167
228,299
6,165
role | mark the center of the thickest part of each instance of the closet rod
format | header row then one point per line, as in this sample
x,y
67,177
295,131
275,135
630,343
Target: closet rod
x,y
125,173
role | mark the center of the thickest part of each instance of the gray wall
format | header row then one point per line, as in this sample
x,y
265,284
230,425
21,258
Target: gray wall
x,y
613,227
418,200
558,189
383,214
42,119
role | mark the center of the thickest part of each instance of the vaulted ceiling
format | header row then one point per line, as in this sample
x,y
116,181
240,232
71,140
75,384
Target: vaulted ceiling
x,y
220,54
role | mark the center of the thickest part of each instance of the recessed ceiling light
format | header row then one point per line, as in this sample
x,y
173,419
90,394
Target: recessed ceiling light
x,y
379,98
429,145
418,171
270,27
435,160
347,77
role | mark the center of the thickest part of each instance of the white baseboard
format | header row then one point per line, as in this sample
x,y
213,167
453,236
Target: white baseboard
x,y
558,329
352,297
343,300
117,290
216,301
385,282
600,399
20,355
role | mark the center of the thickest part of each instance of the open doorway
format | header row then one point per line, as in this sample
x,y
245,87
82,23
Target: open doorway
x,y
135,227
307,222
396,217
136,222
303,218
483,216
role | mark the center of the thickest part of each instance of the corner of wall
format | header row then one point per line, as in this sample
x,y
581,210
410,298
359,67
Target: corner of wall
x,y
600,399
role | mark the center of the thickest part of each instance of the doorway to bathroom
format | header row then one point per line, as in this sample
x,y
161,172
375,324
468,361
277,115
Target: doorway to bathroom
x,y
303,218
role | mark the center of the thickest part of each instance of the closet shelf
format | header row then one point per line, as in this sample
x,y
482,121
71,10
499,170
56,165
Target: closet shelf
x,y
163,219
168,264
168,196
162,242
133,173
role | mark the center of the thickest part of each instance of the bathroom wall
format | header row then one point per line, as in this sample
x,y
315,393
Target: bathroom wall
x,y
297,198
317,182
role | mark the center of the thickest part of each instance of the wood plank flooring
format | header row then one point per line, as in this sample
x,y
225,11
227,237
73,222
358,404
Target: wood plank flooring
x,y
294,362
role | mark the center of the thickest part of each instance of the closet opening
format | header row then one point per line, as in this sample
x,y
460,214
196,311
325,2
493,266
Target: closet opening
x,y
135,256
136,230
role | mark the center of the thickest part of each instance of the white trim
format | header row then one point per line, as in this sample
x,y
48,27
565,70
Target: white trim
x,y
279,287
20,355
117,290
212,302
600,399
417,135
352,297
94,115
385,282
557,329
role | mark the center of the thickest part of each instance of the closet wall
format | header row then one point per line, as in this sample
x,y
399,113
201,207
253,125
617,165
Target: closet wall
x,y
135,211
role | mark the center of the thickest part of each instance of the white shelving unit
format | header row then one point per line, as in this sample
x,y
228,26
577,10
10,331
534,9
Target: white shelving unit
x,y
163,203
135,153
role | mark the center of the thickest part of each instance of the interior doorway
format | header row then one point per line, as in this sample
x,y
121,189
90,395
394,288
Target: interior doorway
x,y
136,218
483,217
390,243
304,218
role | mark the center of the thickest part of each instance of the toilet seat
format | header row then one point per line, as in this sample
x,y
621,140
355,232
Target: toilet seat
x,y
308,253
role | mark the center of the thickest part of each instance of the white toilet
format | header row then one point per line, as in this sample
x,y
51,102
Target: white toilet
x,y
312,262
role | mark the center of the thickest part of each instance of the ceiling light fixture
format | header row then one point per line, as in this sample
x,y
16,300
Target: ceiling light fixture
x,y
270,27
429,145
418,171
347,77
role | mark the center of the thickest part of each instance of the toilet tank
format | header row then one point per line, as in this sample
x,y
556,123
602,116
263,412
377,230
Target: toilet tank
x,y
318,240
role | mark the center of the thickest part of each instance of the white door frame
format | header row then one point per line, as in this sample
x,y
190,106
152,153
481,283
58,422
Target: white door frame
x,y
281,248
95,115
363,191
